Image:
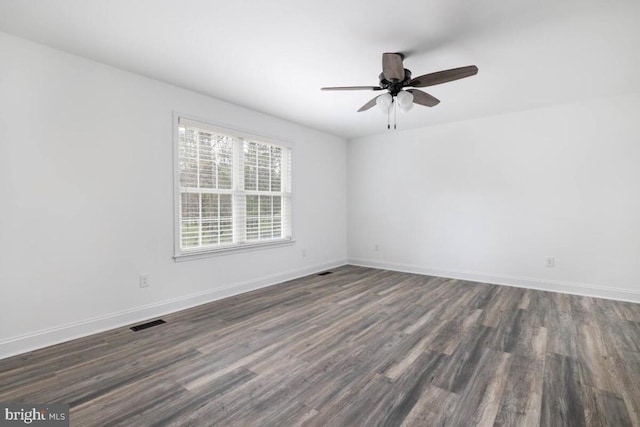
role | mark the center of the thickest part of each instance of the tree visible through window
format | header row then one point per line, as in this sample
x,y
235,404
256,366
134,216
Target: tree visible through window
x,y
263,184
233,190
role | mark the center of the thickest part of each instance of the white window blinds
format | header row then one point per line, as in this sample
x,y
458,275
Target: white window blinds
x,y
233,189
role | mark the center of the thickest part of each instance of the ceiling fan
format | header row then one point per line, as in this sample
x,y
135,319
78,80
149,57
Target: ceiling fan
x,y
395,78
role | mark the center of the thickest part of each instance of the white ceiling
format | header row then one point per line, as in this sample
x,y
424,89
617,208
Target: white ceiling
x,y
274,56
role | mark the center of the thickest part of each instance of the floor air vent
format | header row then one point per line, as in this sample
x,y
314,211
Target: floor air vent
x,y
147,325
325,273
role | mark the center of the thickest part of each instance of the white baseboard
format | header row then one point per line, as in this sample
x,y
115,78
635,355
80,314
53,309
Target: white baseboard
x,y
56,335
519,282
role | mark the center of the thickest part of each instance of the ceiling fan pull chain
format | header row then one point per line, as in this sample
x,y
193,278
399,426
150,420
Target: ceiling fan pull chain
x,y
389,117
395,113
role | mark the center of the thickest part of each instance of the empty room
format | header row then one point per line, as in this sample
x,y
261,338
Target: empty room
x,y
337,213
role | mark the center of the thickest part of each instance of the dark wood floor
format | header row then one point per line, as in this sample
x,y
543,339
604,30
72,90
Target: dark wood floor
x,y
356,347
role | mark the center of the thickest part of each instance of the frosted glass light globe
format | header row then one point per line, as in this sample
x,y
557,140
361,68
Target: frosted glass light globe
x,y
384,101
405,100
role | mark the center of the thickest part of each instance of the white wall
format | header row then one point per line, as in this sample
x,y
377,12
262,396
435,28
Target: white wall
x,y
86,194
489,199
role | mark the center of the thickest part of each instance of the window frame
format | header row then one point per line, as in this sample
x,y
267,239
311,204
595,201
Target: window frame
x,y
198,253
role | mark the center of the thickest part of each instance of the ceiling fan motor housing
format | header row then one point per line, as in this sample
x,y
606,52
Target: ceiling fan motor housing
x,y
394,87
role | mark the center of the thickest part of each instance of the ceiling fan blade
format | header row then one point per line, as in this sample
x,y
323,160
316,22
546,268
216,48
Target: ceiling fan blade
x,y
368,105
352,88
423,98
444,76
392,67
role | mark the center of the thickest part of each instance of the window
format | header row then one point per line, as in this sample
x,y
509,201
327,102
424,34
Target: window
x,y
233,189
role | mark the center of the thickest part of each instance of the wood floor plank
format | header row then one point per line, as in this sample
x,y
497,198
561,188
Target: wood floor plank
x,y
522,398
463,364
592,359
452,335
561,333
561,396
501,305
518,335
435,407
359,346
407,390
603,408
479,401
406,360
626,368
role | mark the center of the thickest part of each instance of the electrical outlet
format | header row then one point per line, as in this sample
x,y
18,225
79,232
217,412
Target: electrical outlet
x,y
304,253
376,247
144,280
550,261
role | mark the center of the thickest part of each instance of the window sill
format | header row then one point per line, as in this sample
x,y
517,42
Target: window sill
x,y
188,256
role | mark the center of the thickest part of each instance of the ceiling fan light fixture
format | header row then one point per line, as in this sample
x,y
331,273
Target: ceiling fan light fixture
x,y
405,100
401,87
384,102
